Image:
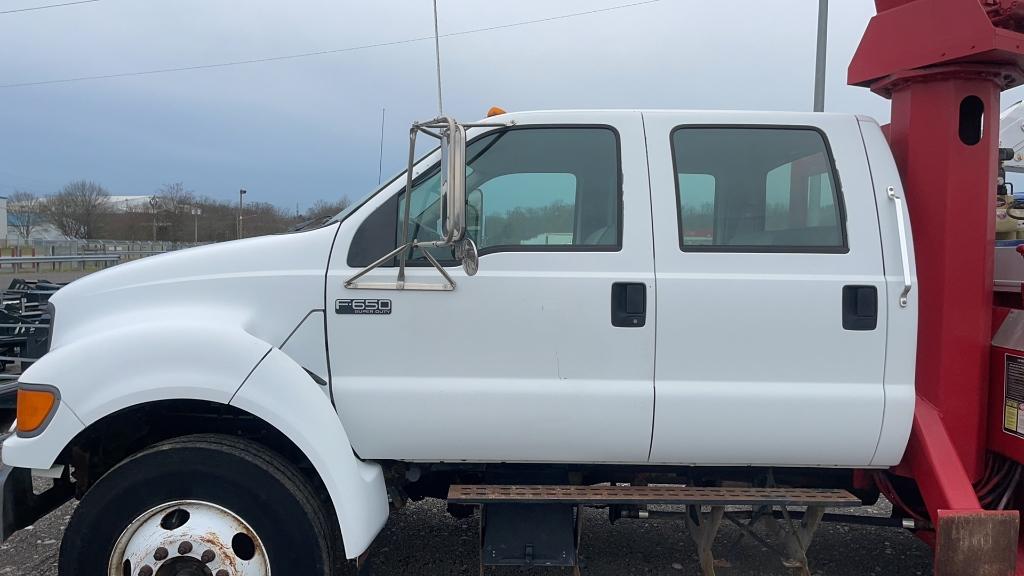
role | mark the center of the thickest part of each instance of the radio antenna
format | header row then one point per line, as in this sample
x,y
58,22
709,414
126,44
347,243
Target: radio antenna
x,y
437,55
380,158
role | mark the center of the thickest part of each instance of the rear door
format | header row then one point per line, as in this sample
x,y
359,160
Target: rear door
x,y
770,339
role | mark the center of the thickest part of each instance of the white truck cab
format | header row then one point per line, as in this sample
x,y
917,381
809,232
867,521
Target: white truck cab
x,y
676,291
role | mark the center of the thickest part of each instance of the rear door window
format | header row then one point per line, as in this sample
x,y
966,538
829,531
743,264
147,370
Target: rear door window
x,y
756,189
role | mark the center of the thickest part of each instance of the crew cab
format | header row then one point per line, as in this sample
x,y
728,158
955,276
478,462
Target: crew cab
x,y
584,295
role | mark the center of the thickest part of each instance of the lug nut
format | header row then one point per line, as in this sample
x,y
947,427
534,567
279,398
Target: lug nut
x,y
207,556
146,571
160,554
184,548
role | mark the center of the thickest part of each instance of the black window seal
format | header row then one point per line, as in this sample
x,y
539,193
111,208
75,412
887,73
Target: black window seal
x,y
539,248
843,248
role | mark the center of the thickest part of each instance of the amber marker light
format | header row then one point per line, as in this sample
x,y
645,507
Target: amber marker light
x,y
35,405
495,111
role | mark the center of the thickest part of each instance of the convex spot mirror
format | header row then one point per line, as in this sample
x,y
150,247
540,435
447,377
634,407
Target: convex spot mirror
x,y
466,251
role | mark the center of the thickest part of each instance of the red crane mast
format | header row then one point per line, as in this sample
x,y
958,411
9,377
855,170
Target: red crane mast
x,y
943,64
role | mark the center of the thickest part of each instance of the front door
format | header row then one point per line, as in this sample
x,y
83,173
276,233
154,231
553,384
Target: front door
x,y
771,291
521,362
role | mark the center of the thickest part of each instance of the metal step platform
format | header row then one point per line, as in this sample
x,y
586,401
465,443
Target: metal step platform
x,y
538,525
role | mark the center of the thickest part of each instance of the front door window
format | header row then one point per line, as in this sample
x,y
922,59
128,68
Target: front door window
x,y
529,189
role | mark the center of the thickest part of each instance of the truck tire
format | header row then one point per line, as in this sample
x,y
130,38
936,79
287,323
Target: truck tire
x,y
203,505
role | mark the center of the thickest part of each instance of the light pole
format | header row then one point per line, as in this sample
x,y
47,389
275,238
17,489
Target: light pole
x,y
819,62
819,84
154,204
196,213
240,194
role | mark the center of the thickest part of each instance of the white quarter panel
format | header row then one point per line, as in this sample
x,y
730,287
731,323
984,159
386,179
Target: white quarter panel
x,y
520,362
901,344
753,363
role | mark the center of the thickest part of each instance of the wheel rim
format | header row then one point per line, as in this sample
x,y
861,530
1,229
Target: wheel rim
x,y
189,538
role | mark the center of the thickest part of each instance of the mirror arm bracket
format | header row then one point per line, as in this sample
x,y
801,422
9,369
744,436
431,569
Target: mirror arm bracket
x,y
401,283
408,199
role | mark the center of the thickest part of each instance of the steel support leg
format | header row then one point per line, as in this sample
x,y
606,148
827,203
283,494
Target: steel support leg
x,y
579,537
968,540
703,531
795,536
798,536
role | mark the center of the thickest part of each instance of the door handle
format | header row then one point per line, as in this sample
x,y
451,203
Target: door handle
x,y
860,308
629,304
901,229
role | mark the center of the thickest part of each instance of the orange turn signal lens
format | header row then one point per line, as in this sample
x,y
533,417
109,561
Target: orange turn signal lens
x,y
34,408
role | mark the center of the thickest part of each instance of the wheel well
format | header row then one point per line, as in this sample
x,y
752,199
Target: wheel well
x,y
108,441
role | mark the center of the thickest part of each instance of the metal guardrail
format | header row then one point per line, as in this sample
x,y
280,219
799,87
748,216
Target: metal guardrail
x,y
18,262
52,259
135,252
32,256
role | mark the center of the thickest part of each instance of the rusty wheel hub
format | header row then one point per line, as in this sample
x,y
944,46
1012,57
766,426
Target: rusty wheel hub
x,y
189,538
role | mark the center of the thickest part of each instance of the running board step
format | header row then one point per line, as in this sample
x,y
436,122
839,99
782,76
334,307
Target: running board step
x,y
534,525
679,495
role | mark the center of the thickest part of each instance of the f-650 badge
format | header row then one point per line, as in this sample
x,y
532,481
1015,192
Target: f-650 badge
x,y
362,306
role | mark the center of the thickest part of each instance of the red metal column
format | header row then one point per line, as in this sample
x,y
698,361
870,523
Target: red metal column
x,y
943,63
950,191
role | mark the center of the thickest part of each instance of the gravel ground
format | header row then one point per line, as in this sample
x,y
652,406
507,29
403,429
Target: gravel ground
x,y
422,539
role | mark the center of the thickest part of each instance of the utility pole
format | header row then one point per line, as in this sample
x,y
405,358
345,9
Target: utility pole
x,y
819,62
240,194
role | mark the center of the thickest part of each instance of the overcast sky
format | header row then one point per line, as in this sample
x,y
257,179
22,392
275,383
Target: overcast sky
x,y
293,131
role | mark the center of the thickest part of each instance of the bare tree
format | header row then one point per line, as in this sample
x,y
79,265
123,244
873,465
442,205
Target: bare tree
x,y
171,208
175,197
78,209
174,213
26,208
324,209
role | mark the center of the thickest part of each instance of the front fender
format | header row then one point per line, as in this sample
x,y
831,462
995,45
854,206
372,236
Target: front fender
x,y
164,361
136,364
281,393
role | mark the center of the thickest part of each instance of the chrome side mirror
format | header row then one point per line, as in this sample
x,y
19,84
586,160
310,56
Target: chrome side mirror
x,y
452,136
453,181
